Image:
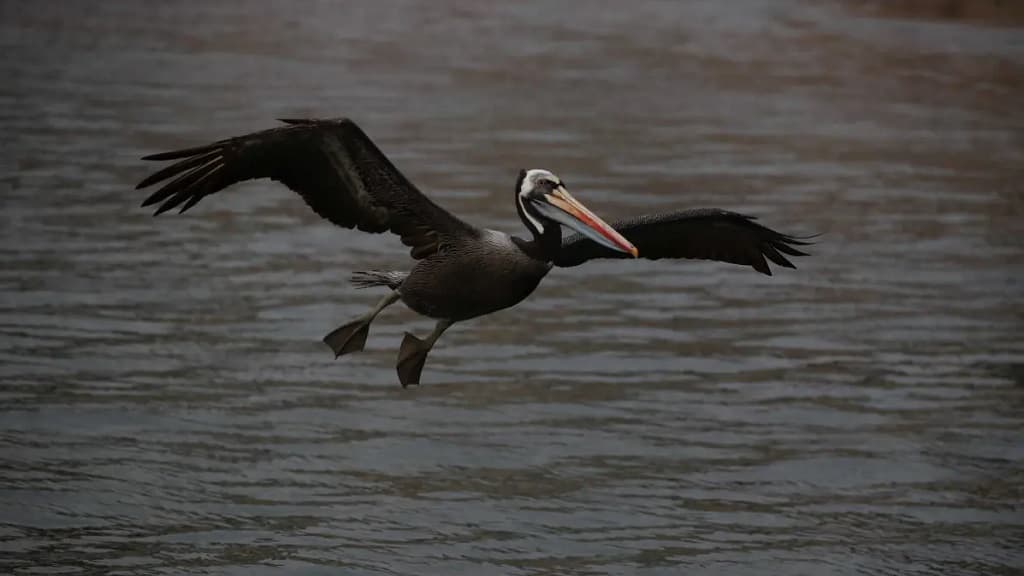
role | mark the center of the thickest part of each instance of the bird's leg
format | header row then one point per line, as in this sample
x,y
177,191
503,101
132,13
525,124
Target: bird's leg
x,y
352,336
413,353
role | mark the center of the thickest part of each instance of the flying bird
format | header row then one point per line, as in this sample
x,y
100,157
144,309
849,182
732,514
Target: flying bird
x,y
461,271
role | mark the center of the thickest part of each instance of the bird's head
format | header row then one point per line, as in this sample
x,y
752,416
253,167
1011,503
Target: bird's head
x,y
543,202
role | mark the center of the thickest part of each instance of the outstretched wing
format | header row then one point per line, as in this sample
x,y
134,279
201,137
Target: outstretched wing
x,y
332,164
705,234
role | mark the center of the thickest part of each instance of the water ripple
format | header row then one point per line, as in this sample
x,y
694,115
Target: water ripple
x,y
168,406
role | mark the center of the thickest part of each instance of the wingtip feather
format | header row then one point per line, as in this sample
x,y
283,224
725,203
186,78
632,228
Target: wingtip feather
x,y
163,208
192,201
171,155
759,263
803,240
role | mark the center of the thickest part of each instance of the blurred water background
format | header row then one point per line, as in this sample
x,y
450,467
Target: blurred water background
x,y
168,407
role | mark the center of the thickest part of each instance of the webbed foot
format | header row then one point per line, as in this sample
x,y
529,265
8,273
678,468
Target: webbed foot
x,y
348,338
412,355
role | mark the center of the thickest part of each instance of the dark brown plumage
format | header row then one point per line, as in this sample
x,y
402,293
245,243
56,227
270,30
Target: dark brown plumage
x,y
701,233
332,164
462,271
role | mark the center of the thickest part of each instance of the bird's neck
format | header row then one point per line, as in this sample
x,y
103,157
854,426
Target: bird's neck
x,y
544,246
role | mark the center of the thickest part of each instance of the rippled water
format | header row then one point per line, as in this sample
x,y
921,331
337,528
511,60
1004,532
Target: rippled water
x,y
168,405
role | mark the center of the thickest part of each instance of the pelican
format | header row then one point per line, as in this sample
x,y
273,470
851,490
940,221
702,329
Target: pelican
x,y
461,271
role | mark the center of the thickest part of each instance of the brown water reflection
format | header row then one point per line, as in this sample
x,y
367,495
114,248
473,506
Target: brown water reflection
x,y
168,406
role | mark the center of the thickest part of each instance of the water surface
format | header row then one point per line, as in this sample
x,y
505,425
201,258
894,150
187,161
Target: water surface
x,y
168,406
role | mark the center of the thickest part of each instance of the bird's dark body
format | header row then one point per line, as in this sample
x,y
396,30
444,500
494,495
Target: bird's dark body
x,y
461,271
471,279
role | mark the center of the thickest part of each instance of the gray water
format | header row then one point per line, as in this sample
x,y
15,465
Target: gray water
x,y
168,407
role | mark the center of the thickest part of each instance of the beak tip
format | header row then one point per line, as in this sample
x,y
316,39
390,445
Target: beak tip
x,y
634,251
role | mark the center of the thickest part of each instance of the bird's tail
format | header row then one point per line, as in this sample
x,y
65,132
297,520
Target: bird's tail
x,y
371,278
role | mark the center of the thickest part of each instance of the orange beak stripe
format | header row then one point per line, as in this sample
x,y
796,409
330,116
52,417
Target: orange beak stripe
x,y
564,201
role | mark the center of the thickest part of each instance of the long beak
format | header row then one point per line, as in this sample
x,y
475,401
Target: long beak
x,y
561,207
